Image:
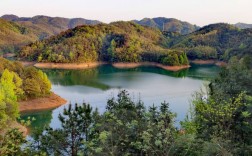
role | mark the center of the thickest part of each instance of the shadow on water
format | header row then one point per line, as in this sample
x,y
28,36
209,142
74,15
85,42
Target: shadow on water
x,y
87,77
42,119
91,77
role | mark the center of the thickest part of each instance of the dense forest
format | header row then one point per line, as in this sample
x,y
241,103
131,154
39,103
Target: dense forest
x,y
216,41
129,42
116,42
220,124
121,41
19,83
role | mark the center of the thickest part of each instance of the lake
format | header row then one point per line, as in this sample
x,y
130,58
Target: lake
x,y
152,85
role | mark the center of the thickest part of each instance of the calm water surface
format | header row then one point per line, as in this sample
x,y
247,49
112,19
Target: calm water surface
x,y
151,84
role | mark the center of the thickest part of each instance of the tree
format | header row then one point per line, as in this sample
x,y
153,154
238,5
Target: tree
x,y
186,62
225,117
76,123
181,59
233,80
11,143
111,51
36,83
9,97
171,60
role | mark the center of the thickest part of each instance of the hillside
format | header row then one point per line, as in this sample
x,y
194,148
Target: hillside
x,y
168,24
13,35
33,29
130,42
115,42
243,25
45,26
216,41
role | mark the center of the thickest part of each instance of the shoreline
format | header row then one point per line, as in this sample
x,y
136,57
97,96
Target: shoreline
x,y
205,62
43,103
120,65
68,65
134,65
27,63
96,64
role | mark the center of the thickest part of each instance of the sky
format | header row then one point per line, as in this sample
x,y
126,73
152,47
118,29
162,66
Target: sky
x,y
199,12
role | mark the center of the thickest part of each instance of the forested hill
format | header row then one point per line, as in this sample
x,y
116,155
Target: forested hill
x,y
115,42
168,24
130,42
216,41
18,31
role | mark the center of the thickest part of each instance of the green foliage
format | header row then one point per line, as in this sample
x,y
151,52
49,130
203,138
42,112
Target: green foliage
x,y
76,123
223,119
214,127
8,97
171,60
233,80
129,42
215,41
112,50
202,52
175,59
125,128
18,83
36,83
11,143
116,42
219,124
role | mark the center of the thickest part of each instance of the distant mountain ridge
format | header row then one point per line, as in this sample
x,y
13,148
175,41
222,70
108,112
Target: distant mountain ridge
x,y
168,24
47,26
243,25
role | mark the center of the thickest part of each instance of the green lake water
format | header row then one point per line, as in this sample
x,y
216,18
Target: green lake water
x,y
151,84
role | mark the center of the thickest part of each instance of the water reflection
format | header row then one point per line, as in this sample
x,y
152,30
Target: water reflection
x,y
151,84
42,119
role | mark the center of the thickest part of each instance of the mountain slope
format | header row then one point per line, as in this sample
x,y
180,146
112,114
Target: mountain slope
x,y
13,35
18,31
220,41
168,24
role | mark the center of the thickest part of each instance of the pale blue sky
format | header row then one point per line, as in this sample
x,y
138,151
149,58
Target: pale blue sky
x,y
200,12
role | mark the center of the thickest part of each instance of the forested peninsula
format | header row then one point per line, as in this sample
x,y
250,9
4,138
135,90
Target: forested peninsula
x,y
19,87
116,42
127,42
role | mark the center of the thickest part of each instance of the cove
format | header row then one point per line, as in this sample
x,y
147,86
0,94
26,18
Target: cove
x,y
152,85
